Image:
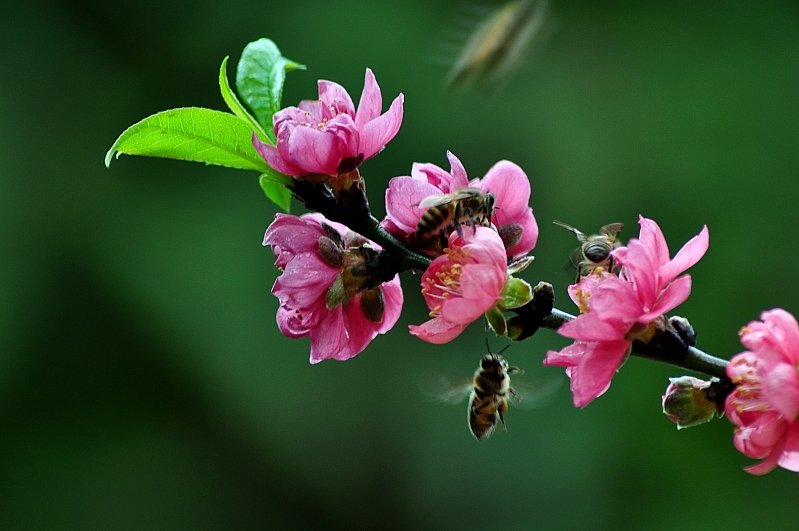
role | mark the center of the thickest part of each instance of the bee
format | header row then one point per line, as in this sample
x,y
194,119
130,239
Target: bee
x,y
498,44
488,401
448,211
595,250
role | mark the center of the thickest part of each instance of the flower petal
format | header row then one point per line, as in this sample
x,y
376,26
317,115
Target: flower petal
x,y
402,201
458,172
330,337
375,134
510,187
272,157
437,331
689,255
591,377
652,238
371,103
331,93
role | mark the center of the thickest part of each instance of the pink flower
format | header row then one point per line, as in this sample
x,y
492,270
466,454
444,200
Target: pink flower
x,y
765,404
314,262
462,284
505,180
615,311
328,136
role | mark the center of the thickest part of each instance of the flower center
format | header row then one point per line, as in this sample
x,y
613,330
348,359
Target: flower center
x,y
748,393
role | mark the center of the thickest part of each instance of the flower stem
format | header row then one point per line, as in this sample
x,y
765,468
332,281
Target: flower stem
x,y
692,359
409,259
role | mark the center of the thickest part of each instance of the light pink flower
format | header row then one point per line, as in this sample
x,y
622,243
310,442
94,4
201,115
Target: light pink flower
x,y
462,284
765,404
617,310
328,136
506,180
336,333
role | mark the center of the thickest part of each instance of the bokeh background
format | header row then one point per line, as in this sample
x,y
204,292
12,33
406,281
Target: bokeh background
x,y
144,384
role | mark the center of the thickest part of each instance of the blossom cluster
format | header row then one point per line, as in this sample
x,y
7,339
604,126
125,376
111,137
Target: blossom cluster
x,y
341,289
322,140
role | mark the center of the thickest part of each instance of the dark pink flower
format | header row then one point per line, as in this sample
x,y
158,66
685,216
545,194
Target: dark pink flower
x,y
462,284
615,311
313,264
765,404
505,180
328,136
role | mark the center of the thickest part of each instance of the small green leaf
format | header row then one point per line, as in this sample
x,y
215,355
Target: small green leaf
x,y
517,293
496,320
259,79
275,190
235,105
195,134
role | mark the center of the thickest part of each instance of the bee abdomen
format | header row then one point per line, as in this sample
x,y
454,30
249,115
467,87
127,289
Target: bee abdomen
x,y
596,252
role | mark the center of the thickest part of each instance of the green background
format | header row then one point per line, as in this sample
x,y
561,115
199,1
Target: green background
x,y
144,383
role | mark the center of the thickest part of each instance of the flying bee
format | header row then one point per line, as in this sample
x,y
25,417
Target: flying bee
x,y
499,44
488,401
448,211
488,391
594,251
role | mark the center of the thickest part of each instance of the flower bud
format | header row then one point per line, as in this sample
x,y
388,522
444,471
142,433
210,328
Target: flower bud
x,y
686,401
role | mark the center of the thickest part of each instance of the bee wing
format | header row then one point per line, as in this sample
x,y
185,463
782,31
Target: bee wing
x,y
436,200
612,230
534,393
447,388
580,235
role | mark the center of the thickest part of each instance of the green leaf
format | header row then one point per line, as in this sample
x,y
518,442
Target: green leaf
x,y
259,79
235,105
496,320
517,292
274,186
192,133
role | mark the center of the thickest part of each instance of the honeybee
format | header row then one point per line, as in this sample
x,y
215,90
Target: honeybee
x,y
595,250
488,391
448,211
488,401
499,43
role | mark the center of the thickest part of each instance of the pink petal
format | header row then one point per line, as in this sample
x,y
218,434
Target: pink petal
x,y
529,234
371,103
587,327
616,301
674,295
569,356
437,331
329,337
789,459
781,389
591,378
378,132
305,279
272,157
315,150
432,174
293,233
652,238
458,172
788,330
331,93
289,325
690,254
392,293
643,273
402,201
510,187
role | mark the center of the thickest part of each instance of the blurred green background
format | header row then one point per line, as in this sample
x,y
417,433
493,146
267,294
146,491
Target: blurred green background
x,y
144,384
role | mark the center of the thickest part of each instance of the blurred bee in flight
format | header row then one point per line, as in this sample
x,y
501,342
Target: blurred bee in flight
x,y
594,251
488,401
489,391
448,212
498,44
